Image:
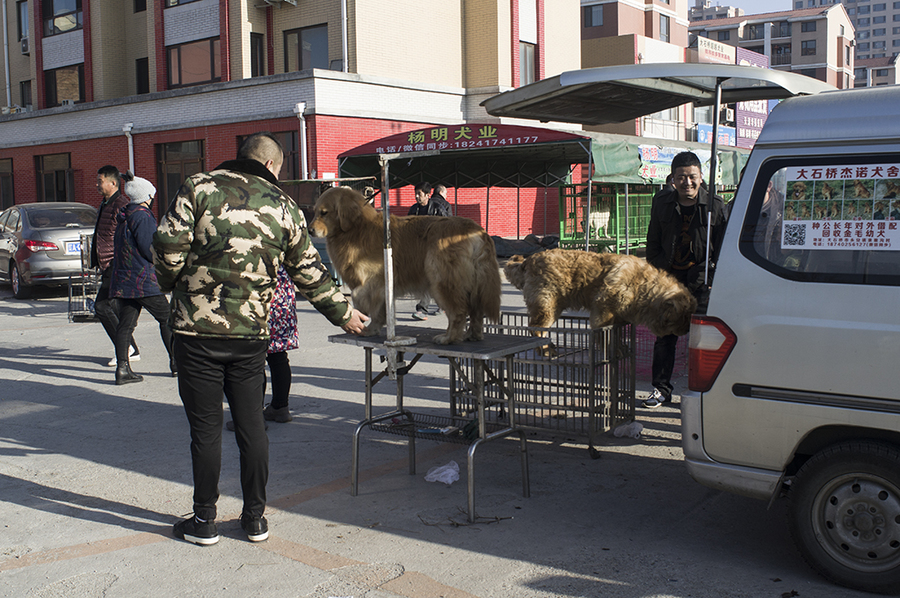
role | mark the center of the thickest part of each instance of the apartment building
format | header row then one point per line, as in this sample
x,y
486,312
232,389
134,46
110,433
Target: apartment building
x,y
872,72
877,25
169,87
634,32
703,10
817,42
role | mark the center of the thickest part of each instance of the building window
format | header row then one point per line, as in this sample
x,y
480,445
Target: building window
x,y
664,31
896,43
781,54
174,163
842,31
756,31
22,19
810,3
851,11
847,55
782,29
808,48
527,68
862,56
881,72
896,5
878,46
66,83
878,31
724,36
879,7
808,72
862,22
896,17
808,26
863,47
306,49
7,199
142,75
593,15
170,3
194,63
798,4
25,93
257,55
878,20
896,30
54,178
61,16
859,73
140,5
862,35
863,10
757,49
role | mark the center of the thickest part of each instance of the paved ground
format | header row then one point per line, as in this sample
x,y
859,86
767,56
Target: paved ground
x,y
92,477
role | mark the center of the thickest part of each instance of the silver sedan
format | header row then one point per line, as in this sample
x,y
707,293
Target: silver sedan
x,y
40,243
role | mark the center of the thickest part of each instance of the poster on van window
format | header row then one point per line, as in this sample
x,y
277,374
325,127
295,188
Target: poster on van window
x,y
842,207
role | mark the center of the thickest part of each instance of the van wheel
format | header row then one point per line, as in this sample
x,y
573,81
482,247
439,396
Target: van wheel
x,y
845,515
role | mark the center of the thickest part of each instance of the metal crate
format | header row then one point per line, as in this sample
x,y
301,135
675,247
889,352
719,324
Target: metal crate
x,y
585,389
616,219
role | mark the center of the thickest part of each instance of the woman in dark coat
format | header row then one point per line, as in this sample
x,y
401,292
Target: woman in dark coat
x,y
134,276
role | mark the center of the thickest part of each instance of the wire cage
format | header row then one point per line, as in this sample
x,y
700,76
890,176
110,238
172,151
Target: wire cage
x,y
583,385
616,219
83,287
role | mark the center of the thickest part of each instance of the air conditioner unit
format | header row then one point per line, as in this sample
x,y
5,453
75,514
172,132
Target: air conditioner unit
x,y
67,103
727,115
25,47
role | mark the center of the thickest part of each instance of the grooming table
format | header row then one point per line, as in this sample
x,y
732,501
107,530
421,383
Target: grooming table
x,y
485,355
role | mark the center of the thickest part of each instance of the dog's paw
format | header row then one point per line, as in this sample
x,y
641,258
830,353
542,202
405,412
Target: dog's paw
x,y
473,335
443,339
548,351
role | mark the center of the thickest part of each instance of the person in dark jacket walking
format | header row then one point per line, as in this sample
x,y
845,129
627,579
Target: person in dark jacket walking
x,y
133,279
677,237
106,308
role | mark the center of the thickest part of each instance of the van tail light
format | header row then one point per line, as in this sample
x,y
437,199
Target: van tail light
x,y
36,246
711,342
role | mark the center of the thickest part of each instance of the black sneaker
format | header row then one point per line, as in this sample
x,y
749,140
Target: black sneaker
x,y
257,528
194,531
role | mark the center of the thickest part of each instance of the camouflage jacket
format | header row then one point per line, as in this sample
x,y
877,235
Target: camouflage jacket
x,y
218,249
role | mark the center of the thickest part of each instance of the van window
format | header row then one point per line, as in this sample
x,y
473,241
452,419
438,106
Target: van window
x,y
826,220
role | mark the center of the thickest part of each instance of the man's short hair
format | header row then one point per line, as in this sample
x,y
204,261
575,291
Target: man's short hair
x,y
686,159
440,189
424,188
110,172
261,147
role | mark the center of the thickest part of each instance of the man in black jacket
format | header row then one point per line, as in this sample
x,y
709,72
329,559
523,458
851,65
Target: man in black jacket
x,y
677,238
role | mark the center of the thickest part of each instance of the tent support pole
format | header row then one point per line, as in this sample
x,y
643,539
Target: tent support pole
x,y
713,163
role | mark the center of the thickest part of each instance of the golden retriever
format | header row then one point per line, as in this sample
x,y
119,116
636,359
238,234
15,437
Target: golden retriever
x,y
860,190
798,190
610,286
449,257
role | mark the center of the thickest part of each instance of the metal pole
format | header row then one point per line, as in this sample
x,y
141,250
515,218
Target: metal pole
x,y
627,223
713,163
388,250
587,213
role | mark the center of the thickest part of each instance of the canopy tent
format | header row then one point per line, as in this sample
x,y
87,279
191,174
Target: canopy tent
x,y
493,155
614,94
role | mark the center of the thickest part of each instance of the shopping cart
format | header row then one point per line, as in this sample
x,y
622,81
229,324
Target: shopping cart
x,y
83,287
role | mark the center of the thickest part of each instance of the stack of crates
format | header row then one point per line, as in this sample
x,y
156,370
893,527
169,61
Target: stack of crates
x,y
583,387
615,220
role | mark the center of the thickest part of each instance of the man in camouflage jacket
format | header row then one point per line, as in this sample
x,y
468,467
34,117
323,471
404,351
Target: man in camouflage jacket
x,y
218,249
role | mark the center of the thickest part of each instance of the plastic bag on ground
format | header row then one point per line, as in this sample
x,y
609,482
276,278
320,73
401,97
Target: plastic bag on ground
x,y
447,474
631,430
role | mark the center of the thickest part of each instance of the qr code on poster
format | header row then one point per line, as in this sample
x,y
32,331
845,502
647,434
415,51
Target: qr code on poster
x,y
794,234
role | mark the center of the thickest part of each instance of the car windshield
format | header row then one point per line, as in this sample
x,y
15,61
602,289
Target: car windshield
x,y
74,217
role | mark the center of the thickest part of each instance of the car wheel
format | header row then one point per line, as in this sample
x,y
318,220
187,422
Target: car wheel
x,y
20,289
845,515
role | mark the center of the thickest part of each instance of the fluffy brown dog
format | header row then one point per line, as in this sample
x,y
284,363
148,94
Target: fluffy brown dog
x,y
451,258
610,286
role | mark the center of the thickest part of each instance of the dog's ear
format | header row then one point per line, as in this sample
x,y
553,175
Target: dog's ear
x,y
348,211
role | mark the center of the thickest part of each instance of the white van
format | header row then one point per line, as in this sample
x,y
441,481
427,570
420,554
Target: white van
x,y
792,368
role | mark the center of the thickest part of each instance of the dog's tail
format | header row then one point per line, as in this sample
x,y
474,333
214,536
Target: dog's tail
x,y
486,292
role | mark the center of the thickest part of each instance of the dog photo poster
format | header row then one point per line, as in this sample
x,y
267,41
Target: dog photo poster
x,y
842,207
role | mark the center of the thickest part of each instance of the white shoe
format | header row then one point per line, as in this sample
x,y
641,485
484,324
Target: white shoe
x,y
132,357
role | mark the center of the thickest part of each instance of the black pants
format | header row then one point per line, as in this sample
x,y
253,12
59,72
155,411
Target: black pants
x,y
130,311
207,368
280,370
107,308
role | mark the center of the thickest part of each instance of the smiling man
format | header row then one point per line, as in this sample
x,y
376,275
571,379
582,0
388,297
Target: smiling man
x,y
676,242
